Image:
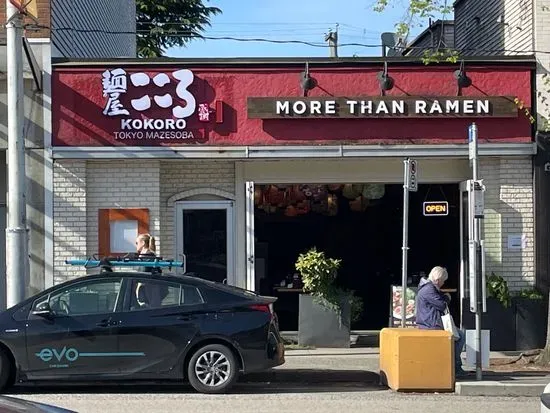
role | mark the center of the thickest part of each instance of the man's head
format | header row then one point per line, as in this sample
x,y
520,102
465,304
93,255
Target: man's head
x,y
438,276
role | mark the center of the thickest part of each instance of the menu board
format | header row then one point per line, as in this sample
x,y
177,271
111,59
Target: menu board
x,y
396,306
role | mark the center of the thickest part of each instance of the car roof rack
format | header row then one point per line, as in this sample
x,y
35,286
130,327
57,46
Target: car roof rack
x,y
129,260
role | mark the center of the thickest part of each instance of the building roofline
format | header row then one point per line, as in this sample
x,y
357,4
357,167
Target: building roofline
x,y
427,30
251,62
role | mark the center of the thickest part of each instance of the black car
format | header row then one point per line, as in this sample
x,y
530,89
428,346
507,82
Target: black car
x,y
134,325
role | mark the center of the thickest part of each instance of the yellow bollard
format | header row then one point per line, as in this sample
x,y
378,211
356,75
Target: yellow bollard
x,y
417,360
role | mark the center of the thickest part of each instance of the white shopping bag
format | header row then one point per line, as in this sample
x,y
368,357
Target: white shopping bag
x,y
449,324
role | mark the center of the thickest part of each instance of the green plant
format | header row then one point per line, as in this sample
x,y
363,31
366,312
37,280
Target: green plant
x,y
319,275
497,287
531,294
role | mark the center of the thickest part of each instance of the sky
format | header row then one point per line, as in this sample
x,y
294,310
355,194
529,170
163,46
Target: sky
x,y
294,20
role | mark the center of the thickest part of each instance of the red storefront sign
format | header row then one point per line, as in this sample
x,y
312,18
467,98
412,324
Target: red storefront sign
x,y
142,105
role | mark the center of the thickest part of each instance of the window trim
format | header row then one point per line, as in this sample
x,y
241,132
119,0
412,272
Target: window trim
x,y
77,284
108,215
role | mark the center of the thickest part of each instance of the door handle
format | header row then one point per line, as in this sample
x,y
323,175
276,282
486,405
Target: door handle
x,y
186,317
106,323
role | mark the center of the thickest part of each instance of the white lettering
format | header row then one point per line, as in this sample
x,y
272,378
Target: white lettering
x,y
483,107
330,107
170,123
299,107
436,107
315,107
382,108
180,124
366,106
125,124
351,104
282,107
452,106
398,106
148,124
420,106
158,124
468,106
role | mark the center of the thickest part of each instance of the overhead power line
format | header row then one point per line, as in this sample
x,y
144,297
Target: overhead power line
x,y
194,35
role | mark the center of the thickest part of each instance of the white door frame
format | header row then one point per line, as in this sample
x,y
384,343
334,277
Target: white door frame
x,y
228,206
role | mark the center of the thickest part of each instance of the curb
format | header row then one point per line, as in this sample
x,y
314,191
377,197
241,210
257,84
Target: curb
x,y
497,388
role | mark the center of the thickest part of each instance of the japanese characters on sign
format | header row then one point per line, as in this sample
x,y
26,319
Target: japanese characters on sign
x,y
173,126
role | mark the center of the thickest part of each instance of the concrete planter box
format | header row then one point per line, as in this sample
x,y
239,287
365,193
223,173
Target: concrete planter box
x,y
320,326
530,323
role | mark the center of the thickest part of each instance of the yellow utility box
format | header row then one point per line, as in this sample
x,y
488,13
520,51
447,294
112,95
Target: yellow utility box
x,y
417,360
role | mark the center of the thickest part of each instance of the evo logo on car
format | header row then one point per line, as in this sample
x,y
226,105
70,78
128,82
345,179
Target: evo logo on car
x,y
71,354
47,354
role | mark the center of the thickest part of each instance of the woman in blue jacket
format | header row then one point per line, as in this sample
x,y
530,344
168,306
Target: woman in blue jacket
x,y
431,304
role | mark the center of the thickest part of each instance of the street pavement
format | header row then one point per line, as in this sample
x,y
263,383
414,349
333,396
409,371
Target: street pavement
x,y
320,381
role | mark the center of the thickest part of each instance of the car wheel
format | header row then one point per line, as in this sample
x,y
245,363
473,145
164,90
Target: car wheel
x,y
5,369
212,369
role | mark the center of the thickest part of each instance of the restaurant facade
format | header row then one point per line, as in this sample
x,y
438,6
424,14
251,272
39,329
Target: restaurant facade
x,y
238,166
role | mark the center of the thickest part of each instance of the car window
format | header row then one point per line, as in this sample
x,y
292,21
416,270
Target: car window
x,y
92,297
218,296
190,295
148,294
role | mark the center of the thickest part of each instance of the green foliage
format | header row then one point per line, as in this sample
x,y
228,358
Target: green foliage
x,y
497,287
166,23
531,294
319,275
417,12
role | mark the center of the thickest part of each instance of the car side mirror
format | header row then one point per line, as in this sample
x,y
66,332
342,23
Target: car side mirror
x,y
43,310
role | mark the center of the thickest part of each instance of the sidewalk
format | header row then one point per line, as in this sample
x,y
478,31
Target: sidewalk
x,y
360,365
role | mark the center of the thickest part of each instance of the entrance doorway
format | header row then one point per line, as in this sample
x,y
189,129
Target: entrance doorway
x,y
205,237
362,225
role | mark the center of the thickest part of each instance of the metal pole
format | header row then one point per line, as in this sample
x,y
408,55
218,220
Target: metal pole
x,y
405,247
478,275
16,231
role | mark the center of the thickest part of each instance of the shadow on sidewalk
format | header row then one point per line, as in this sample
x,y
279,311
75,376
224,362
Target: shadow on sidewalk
x,y
274,381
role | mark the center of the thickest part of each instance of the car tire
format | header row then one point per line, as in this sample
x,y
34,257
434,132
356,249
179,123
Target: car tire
x,y
5,369
212,369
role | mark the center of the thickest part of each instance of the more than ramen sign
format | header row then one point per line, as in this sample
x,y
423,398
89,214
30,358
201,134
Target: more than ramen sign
x,y
381,107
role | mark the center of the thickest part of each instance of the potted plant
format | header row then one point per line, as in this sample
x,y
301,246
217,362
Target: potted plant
x,y
500,316
531,310
325,310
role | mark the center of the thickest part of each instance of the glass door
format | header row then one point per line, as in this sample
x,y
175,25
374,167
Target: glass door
x,y
205,239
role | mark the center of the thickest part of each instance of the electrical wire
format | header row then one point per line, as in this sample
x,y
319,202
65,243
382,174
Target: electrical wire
x,y
194,35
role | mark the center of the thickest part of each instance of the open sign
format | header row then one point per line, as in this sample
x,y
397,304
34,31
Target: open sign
x,y
438,208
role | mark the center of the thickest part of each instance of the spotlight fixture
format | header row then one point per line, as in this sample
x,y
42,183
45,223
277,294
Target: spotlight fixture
x,y
306,81
461,77
385,81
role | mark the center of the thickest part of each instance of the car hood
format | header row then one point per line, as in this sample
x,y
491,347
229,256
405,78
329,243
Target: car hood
x,y
13,404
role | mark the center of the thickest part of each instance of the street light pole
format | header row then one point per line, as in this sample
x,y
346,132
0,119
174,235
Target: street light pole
x,y
16,230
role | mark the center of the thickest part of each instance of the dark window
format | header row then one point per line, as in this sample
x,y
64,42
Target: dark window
x,y
148,294
217,296
89,297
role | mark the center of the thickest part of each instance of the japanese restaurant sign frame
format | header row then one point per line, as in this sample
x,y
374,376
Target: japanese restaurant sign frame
x,y
382,107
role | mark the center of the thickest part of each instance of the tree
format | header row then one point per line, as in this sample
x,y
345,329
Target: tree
x,y
167,23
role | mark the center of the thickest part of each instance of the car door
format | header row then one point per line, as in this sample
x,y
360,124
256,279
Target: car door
x,y
159,319
71,330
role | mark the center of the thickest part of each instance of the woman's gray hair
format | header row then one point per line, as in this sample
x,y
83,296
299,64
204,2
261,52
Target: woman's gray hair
x,y
438,274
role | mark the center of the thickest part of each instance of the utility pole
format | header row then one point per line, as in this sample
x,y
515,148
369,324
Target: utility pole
x,y
476,245
410,184
332,39
17,259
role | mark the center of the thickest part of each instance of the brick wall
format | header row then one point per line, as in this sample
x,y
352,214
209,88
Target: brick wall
x,y
69,217
81,188
128,184
509,210
44,16
177,177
